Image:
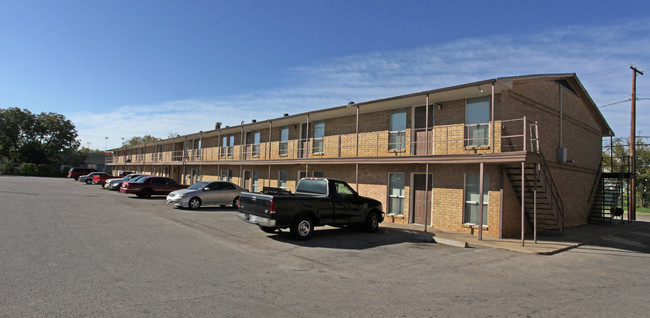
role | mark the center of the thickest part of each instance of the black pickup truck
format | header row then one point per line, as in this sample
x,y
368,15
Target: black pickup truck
x,y
317,201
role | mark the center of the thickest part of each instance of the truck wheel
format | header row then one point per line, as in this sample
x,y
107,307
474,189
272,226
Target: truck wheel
x,y
267,229
302,228
372,222
146,193
194,203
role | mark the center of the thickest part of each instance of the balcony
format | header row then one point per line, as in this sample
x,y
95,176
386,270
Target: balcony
x,y
459,139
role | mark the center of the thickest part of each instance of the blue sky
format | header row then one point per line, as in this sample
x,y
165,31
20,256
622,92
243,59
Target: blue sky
x,y
120,69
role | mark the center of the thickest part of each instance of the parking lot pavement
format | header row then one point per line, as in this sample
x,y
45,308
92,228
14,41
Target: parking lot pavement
x,y
74,250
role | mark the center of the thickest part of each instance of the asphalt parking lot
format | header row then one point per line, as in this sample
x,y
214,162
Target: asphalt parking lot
x,y
74,250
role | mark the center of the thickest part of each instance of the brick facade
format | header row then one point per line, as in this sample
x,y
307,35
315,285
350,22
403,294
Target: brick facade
x,y
361,155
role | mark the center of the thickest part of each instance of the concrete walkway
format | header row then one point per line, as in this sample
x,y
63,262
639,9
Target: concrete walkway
x,y
546,244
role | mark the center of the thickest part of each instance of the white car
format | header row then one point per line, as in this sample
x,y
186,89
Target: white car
x,y
206,193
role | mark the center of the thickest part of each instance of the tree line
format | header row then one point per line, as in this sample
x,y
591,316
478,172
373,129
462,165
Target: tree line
x,y
42,141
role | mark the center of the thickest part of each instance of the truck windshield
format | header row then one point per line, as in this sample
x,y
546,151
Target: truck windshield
x,y
312,186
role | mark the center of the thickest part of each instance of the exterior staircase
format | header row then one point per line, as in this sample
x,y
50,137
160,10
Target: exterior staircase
x,y
541,197
608,193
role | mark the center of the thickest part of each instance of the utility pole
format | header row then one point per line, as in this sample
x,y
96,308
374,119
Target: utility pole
x,y
632,215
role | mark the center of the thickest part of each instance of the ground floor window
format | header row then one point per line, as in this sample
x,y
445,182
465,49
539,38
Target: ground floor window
x,y
472,196
396,193
226,175
282,179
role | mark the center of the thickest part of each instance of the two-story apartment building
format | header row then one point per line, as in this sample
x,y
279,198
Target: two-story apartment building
x,y
449,158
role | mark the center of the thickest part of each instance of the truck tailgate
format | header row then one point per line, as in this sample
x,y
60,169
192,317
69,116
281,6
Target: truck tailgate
x,y
255,203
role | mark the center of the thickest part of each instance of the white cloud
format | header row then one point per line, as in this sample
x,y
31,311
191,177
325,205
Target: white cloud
x,y
587,51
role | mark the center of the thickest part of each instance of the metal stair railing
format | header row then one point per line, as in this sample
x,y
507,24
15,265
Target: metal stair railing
x,y
549,185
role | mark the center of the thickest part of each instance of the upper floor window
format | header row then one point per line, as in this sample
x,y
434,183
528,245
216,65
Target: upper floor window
x,y
227,144
477,122
256,144
284,141
319,136
397,130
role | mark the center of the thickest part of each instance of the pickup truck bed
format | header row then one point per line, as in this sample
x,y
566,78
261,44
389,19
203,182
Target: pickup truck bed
x,y
317,202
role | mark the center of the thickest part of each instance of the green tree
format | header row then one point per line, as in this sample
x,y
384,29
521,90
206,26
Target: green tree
x,y
140,140
46,138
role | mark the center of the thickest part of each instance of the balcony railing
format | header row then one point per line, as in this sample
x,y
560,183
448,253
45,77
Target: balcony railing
x,y
508,136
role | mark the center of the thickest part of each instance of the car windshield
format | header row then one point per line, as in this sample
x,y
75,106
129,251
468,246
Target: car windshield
x,y
198,185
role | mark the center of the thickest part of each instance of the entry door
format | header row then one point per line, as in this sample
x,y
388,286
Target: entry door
x,y
304,142
420,195
247,177
421,130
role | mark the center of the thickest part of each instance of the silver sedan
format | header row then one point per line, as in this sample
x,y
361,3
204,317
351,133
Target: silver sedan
x,y
206,193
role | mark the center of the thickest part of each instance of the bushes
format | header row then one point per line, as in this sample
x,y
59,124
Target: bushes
x,y
30,169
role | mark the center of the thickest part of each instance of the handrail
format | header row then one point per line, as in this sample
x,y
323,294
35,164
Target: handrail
x,y
548,179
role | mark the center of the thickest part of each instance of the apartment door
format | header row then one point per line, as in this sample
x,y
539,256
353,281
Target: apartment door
x,y
421,129
421,198
247,178
249,142
303,148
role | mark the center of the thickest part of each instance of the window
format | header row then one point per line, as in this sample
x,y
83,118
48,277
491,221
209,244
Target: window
x,y
472,196
226,175
343,190
319,136
256,144
224,146
284,141
397,130
231,146
318,174
396,193
197,148
477,118
282,179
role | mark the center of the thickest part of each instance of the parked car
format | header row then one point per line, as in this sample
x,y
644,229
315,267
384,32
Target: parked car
x,y
101,178
317,201
88,179
206,193
116,184
76,172
147,186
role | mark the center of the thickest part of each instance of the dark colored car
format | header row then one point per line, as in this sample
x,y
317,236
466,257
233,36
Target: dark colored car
x,y
317,201
76,172
148,186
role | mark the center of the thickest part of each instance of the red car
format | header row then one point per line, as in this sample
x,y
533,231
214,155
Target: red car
x,y
76,172
149,186
101,179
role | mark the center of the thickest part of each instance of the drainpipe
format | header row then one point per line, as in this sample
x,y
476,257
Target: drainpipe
x,y
357,142
523,199
426,131
426,188
492,116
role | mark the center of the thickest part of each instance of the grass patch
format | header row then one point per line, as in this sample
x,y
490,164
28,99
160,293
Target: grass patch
x,y
641,210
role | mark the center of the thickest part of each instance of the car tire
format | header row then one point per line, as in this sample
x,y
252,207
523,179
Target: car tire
x,y
302,227
267,229
194,203
372,222
146,193
89,181
235,203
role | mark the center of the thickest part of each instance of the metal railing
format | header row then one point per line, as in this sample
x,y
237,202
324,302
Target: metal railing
x,y
509,136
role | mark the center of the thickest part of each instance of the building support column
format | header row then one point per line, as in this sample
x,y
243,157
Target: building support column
x,y
480,200
535,203
356,145
426,188
356,178
493,142
523,200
